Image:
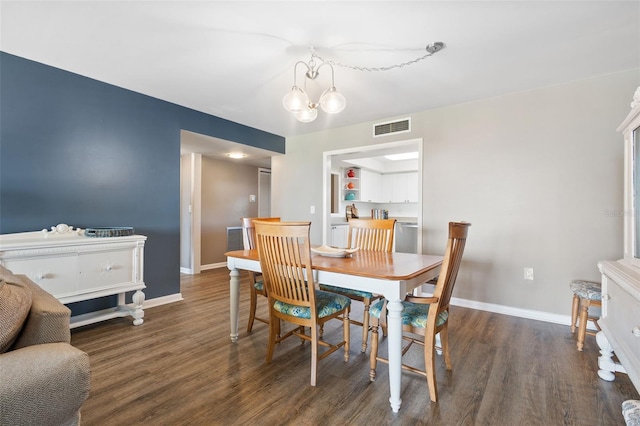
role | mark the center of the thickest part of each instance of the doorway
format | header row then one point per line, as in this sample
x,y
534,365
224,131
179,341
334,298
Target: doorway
x,y
244,191
334,160
264,192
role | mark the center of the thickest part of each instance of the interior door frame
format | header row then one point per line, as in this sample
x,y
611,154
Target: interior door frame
x,y
262,197
326,187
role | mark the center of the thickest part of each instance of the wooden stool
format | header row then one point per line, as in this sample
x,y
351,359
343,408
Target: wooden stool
x,y
585,295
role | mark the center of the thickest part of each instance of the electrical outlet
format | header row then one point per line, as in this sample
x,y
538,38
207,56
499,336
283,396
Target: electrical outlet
x,y
528,274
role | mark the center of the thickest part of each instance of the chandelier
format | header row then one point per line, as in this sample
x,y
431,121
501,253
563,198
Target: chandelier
x,y
297,100
331,101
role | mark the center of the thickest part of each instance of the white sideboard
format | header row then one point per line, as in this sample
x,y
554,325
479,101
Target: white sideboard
x,y
620,314
619,321
73,267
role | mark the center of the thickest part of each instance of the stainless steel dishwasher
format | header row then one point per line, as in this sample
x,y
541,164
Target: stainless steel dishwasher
x,y
406,237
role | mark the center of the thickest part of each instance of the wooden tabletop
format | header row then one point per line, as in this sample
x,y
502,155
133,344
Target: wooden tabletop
x,y
364,263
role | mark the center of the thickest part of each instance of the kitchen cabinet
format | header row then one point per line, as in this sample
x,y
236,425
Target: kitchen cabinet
x,y
413,193
370,186
400,188
339,234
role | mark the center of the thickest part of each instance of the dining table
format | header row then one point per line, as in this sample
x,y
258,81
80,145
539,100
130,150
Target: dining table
x,y
392,275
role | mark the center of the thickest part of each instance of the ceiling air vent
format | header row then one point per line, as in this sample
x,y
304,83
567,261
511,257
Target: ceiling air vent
x,y
401,126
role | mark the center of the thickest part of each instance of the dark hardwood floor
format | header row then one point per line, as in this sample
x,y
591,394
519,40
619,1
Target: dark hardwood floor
x,y
180,368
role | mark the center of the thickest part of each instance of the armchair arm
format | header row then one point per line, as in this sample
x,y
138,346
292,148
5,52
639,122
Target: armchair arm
x,y
43,384
48,320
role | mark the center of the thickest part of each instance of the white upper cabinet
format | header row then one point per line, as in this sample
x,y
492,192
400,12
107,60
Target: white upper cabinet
x,y
370,186
413,194
400,188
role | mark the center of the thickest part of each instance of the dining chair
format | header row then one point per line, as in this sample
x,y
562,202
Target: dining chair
x,y
424,317
366,234
285,260
255,278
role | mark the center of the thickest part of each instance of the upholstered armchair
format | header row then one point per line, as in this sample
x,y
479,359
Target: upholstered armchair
x,y
43,379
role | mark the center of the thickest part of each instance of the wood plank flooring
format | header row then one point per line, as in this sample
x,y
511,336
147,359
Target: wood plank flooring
x,y
180,368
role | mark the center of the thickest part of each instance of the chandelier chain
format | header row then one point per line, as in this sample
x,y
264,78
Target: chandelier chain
x,y
373,69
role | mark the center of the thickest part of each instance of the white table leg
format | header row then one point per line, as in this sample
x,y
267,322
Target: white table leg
x,y
234,300
394,342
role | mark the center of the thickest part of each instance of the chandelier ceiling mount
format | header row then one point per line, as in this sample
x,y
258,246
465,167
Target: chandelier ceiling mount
x,y
331,101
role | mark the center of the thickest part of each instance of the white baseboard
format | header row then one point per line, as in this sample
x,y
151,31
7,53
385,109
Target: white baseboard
x,y
213,266
517,312
162,300
189,271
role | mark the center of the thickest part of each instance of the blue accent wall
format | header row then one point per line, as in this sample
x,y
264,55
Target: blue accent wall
x,y
78,151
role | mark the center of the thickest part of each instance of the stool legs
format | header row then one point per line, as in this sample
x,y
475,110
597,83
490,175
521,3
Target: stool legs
x,y
586,295
574,312
585,304
582,327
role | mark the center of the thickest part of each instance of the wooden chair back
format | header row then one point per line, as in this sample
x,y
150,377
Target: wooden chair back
x,y
450,266
285,261
439,303
371,234
249,230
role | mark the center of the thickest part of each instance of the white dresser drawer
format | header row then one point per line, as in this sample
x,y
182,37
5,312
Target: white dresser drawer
x,y
623,314
620,315
106,269
55,274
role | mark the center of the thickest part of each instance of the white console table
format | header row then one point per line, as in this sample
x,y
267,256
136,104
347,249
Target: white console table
x,y
619,321
73,267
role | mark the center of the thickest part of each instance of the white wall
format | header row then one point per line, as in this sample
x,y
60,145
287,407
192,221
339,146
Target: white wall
x,y
534,172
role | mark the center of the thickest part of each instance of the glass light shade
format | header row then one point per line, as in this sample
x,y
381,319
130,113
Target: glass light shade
x,y
332,101
307,115
296,100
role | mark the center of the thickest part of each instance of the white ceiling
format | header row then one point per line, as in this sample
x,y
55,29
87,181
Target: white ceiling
x,y
235,59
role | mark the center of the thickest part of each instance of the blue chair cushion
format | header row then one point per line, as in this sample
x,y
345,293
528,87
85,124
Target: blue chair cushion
x,y
346,291
259,285
586,289
414,314
631,412
327,303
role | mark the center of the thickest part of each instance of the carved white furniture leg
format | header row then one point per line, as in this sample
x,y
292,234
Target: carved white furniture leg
x,y
234,274
605,362
138,313
394,343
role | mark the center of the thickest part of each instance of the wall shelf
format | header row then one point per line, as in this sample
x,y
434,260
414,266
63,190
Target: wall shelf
x,y
351,184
